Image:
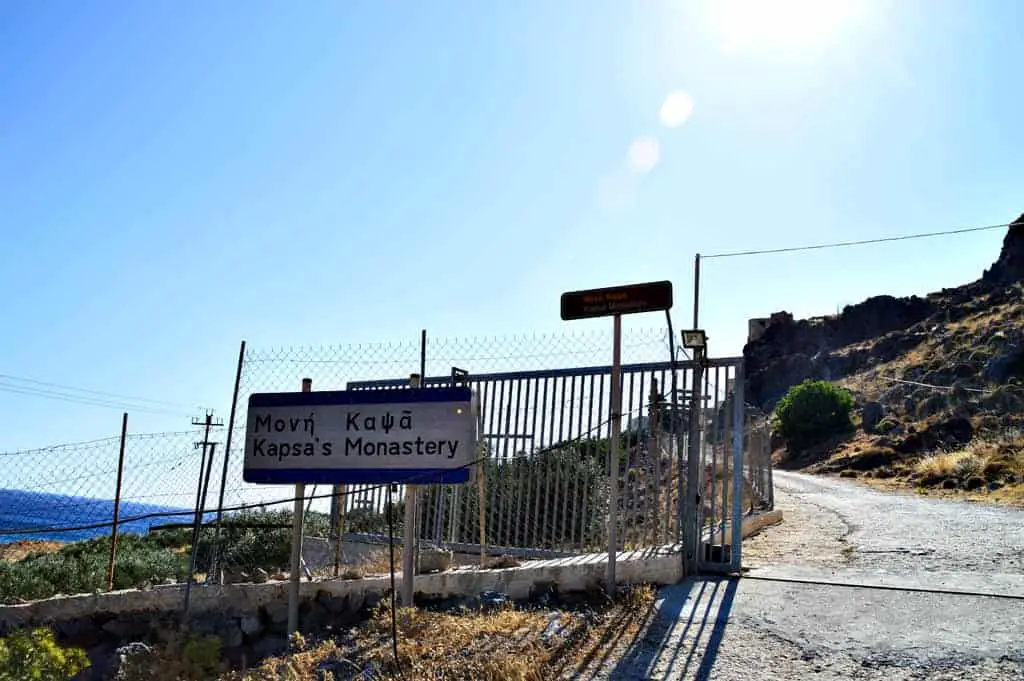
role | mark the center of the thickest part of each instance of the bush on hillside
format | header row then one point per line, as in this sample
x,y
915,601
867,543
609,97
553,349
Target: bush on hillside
x,y
82,568
36,655
811,413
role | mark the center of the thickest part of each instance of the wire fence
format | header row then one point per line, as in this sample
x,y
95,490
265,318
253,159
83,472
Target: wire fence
x,y
60,493
542,483
366,366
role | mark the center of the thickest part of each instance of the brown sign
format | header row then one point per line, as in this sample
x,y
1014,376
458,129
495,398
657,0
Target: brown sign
x,y
616,300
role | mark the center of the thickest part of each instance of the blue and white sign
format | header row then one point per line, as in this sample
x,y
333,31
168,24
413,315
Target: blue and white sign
x,y
417,435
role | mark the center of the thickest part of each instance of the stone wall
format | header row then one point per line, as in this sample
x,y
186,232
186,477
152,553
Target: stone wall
x,y
251,619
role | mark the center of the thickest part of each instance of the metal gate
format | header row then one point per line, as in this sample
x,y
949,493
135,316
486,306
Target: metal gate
x,y
543,487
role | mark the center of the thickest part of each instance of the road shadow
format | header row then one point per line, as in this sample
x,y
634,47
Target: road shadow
x,y
680,639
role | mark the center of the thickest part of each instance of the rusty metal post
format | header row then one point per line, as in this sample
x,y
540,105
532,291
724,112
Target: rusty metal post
x,y
117,503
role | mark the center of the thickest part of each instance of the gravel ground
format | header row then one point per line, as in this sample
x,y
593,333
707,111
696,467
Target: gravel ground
x,y
766,628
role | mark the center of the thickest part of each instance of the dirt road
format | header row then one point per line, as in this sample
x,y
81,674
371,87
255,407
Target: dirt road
x,y
855,583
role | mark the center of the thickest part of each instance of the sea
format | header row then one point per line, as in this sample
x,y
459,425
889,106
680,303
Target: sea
x,y
43,517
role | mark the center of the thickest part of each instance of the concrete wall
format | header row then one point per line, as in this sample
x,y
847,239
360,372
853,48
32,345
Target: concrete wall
x,y
250,619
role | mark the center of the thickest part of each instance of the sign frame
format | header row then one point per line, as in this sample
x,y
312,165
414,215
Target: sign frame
x,y
458,397
654,296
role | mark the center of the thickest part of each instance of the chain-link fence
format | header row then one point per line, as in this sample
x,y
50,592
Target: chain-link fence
x,y
544,430
66,492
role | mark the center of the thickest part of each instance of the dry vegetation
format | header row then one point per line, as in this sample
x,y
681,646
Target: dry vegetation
x,y
24,548
990,467
930,397
508,644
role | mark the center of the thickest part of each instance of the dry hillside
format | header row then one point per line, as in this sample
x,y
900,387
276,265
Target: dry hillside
x,y
939,382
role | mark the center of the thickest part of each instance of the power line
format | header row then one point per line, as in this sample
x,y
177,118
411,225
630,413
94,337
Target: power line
x,y
81,399
863,242
101,393
64,396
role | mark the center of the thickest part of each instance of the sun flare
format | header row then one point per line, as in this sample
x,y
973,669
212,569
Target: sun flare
x,y
782,24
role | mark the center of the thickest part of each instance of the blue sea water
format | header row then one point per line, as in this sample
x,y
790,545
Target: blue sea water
x,y
21,511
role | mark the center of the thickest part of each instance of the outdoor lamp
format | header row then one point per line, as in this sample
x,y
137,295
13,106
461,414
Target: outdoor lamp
x,y
695,339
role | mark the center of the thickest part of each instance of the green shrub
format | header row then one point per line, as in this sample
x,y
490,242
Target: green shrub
x,y
813,412
36,655
82,568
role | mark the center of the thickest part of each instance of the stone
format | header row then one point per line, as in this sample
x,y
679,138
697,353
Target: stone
x,y
260,576
250,625
493,600
270,645
994,485
232,636
277,611
434,559
871,415
974,483
872,458
950,483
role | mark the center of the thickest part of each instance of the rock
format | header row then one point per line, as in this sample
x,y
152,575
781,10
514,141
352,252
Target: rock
x,y
871,415
371,599
250,625
950,483
493,600
931,405
277,611
994,485
974,483
953,433
232,636
434,559
260,576
1011,479
870,459
848,474
1009,267
270,645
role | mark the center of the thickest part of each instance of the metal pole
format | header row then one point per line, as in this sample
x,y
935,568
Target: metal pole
x,y
227,458
198,518
613,455
409,533
738,428
117,503
295,574
691,528
696,291
655,517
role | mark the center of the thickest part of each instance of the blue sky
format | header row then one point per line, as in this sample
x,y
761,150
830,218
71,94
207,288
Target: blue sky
x,y
174,178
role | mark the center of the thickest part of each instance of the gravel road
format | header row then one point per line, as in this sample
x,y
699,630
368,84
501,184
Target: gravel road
x,y
882,564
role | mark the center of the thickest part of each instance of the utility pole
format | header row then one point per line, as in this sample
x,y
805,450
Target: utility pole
x,y
202,488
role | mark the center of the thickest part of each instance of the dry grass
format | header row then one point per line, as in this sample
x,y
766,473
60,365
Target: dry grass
x,y
21,549
946,464
985,460
505,645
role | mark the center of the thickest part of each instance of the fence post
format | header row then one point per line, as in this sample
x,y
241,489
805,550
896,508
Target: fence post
x,y
655,525
295,575
738,431
411,530
215,560
117,503
613,455
691,512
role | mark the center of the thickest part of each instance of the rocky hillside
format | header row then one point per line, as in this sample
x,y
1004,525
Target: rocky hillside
x,y
932,375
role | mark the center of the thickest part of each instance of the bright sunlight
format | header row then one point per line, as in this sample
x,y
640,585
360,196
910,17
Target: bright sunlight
x,y
782,24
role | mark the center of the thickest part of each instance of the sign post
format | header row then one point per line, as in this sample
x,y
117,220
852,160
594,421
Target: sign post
x,y
421,436
615,302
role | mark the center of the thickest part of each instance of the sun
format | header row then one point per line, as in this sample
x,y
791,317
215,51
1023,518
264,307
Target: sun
x,y
782,24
